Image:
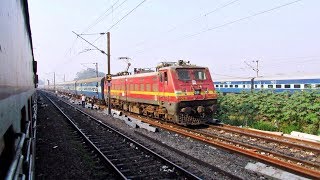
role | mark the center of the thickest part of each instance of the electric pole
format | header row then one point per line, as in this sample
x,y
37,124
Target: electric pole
x,y
96,68
255,69
54,81
109,75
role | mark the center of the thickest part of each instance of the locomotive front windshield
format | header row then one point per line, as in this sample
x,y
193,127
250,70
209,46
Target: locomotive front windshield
x,y
183,74
188,74
199,74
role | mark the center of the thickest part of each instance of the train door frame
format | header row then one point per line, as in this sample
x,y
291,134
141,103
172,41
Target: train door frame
x,y
163,86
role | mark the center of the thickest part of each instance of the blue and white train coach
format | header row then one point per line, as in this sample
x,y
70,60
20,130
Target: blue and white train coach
x,y
89,87
275,84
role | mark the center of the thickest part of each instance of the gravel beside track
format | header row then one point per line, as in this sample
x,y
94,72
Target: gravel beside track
x,y
233,164
60,152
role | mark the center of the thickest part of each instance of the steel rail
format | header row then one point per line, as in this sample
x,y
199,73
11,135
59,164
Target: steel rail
x,y
88,140
137,143
313,146
207,135
190,175
306,172
289,166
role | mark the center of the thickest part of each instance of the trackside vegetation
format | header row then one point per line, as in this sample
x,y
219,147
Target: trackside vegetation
x,y
270,111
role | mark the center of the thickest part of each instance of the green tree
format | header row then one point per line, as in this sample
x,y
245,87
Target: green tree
x,y
88,73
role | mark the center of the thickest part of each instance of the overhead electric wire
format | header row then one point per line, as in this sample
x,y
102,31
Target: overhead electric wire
x,y
234,21
99,19
241,19
194,19
126,15
206,14
119,20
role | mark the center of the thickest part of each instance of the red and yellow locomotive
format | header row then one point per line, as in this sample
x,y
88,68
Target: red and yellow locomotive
x,y
177,92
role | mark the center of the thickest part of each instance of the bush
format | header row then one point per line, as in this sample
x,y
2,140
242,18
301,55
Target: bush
x,y
286,112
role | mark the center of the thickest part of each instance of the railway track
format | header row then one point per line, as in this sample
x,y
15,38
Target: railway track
x,y
295,163
305,154
128,158
293,142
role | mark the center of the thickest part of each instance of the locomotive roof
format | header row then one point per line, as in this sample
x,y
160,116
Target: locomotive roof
x,y
187,67
136,75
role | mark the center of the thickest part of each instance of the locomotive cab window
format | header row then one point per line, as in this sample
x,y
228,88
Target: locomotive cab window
x,y
199,74
183,74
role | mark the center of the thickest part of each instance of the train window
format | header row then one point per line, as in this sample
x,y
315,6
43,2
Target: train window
x,y
148,87
296,86
306,86
226,86
270,86
317,86
231,86
261,86
244,86
255,86
131,87
217,85
221,85
141,87
278,85
287,86
199,74
155,87
183,74
236,85
136,87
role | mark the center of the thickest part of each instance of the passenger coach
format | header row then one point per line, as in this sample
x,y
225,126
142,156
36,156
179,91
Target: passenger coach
x,y
275,84
89,87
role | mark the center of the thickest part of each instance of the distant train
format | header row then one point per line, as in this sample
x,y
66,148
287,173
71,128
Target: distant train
x,y
18,101
177,92
89,87
275,84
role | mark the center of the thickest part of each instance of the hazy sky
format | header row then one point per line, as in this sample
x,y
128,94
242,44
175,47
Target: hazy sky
x,y
220,34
